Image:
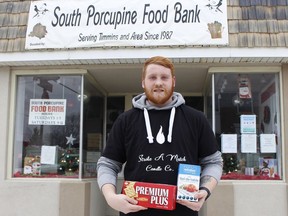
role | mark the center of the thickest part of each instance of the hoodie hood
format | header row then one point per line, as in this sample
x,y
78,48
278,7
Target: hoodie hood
x,y
140,102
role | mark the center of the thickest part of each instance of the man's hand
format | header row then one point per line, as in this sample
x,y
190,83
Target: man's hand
x,y
120,202
196,206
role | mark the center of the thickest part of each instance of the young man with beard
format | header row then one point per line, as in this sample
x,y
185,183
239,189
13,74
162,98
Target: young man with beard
x,y
152,138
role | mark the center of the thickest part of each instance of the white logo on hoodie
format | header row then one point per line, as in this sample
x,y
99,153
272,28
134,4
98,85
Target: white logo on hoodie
x,y
160,138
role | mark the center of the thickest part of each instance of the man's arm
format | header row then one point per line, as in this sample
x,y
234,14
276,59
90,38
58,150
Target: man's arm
x,y
120,202
212,167
107,171
210,176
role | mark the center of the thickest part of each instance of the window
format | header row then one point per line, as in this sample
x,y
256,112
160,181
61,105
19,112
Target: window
x,y
247,124
115,106
58,126
93,124
194,101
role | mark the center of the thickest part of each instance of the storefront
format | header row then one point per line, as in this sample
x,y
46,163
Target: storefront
x,y
60,97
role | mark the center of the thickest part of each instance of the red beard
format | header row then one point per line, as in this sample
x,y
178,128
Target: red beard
x,y
159,96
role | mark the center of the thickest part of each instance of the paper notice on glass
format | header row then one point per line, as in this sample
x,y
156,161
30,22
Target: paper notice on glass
x,y
47,112
48,155
229,143
267,143
248,123
249,143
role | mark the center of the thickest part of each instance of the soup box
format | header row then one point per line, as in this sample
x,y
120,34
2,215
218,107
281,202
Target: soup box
x,y
188,182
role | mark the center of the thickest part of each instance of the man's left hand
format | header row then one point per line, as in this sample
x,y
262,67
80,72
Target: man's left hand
x,y
195,206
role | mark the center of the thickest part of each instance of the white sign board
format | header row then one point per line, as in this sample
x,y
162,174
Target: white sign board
x,y
249,143
49,154
102,23
248,123
267,143
47,111
229,143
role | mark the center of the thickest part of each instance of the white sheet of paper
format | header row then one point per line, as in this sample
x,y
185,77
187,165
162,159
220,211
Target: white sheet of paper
x,y
48,154
248,124
229,143
249,143
267,143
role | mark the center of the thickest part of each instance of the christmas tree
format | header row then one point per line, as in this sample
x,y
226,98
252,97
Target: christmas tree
x,y
230,163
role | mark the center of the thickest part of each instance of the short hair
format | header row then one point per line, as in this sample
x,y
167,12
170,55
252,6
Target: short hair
x,y
158,60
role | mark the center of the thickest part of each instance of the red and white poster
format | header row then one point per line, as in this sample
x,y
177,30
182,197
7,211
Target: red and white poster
x,y
47,112
244,88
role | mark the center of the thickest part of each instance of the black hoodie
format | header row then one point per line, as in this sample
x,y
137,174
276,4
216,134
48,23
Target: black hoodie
x,y
152,141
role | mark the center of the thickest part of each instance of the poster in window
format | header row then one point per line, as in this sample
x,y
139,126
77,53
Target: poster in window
x,y
268,167
267,143
244,88
229,143
47,111
49,154
248,123
249,143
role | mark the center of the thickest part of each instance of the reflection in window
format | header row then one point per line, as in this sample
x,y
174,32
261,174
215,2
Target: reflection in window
x,y
194,101
115,106
48,129
47,132
247,125
92,128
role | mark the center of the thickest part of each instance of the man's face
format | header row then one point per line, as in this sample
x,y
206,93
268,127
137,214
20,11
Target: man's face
x,y
158,84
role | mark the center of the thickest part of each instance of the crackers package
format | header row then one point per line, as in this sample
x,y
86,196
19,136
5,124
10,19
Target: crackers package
x,y
150,195
188,182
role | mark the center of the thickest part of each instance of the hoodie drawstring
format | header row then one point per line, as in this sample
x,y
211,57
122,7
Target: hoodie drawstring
x,y
148,125
171,122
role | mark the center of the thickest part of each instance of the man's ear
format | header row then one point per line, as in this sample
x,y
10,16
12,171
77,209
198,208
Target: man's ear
x,y
143,86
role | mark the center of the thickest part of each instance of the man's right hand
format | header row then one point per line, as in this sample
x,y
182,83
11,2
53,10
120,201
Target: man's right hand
x,y
120,202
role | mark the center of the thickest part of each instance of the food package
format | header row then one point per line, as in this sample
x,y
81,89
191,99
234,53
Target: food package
x,y
188,182
151,195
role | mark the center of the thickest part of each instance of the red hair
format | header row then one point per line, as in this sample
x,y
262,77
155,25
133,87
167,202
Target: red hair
x,y
158,60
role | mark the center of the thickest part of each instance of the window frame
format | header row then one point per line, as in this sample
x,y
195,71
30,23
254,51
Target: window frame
x,y
84,74
254,70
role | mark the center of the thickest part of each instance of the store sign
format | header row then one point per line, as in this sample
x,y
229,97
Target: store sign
x,y
112,23
47,111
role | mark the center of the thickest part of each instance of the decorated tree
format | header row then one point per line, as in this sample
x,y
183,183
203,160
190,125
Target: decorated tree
x,y
230,163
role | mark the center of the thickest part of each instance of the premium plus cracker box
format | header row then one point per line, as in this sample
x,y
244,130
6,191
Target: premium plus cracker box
x,y
151,195
188,182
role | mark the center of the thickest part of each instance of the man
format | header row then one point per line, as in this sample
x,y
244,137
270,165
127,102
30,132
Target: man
x,y
152,138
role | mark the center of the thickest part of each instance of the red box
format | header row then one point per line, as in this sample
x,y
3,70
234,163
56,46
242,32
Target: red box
x,y
151,195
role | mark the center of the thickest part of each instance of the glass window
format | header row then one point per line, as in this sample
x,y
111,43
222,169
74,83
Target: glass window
x,y
195,101
247,125
51,139
93,123
115,106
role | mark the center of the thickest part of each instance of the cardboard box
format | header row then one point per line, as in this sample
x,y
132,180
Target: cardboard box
x,y
188,182
150,195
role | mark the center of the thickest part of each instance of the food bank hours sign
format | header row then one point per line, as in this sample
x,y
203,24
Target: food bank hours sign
x,y
47,112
